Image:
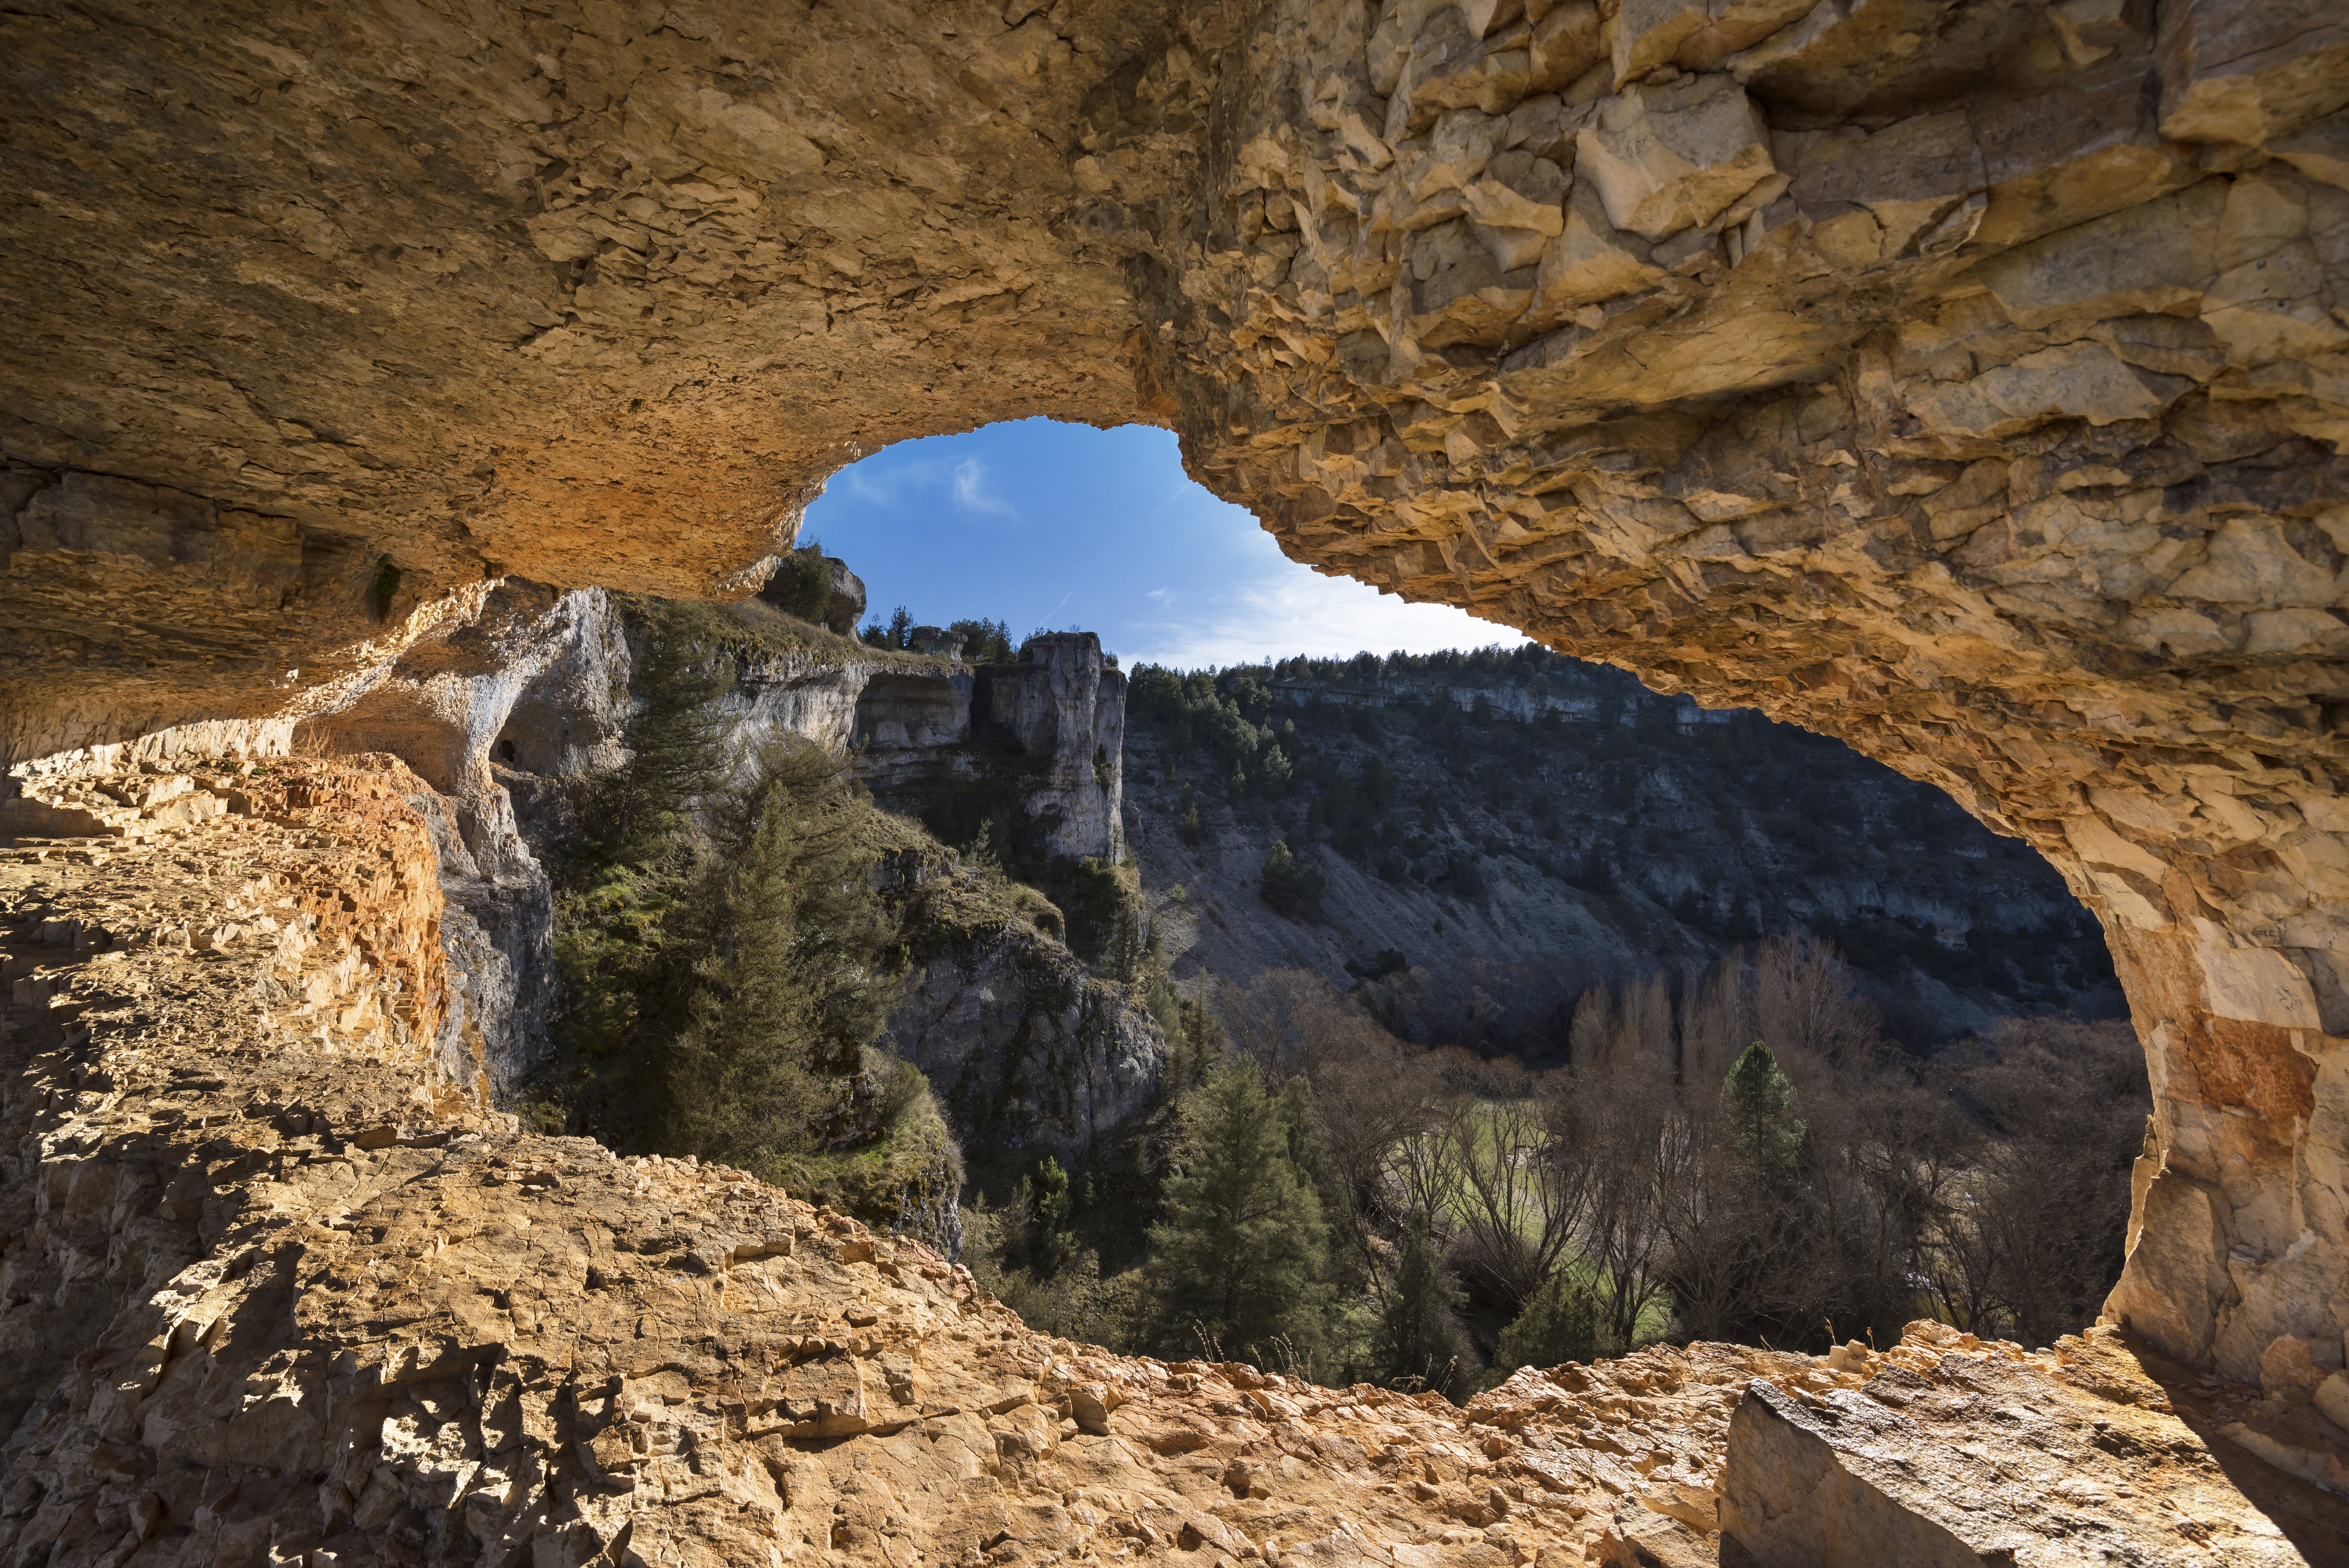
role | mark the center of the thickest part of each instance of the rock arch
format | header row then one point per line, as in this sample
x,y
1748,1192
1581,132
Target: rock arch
x,y
1963,380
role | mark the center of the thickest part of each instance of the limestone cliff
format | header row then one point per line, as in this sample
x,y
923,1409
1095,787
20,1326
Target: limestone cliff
x,y
1023,1046
1963,380
1042,738
1026,1048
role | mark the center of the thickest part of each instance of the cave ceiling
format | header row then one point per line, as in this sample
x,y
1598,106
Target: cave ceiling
x,y
1964,380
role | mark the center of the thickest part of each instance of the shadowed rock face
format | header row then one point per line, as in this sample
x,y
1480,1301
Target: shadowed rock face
x,y
1961,380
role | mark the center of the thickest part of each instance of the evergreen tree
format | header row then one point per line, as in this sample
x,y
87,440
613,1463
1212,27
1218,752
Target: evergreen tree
x,y
1417,1340
1127,956
984,642
678,749
1048,1207
1241,1256
1560,1323
790,993
1760,1104
1196,1043
801,585
1289,884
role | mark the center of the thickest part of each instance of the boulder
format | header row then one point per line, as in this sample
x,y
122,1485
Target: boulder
x,y
2088,1464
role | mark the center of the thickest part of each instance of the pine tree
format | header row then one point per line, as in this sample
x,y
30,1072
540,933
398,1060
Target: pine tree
x,y
789,992
678,749
1241,1257
1127,956
1418,1340
1048,1205
1760,1104
1196,1043
1289,884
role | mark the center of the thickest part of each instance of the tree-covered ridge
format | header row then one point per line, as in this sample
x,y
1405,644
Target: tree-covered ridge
x,y
1689,832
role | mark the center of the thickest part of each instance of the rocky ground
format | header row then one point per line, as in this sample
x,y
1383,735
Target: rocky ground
x,y
279,1288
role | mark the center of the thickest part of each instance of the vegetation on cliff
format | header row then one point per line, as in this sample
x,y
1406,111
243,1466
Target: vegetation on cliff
x,y
727,963
1736,1153
1522,827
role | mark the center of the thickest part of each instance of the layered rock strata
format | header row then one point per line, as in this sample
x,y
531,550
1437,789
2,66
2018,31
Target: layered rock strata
x,y
1044,733
1893,1471
1962,380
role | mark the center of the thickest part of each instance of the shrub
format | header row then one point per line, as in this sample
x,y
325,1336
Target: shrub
x,y
1562,1323
1292,886
801,585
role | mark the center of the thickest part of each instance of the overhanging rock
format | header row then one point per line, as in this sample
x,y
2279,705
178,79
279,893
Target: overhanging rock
x,y
1962,380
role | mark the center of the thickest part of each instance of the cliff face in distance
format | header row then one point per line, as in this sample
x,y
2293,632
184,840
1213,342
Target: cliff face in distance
x,y
1959,379
1016,1035
1523,827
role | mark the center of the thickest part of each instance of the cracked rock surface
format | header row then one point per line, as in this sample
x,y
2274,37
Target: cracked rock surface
x,y
276,1287
1965,380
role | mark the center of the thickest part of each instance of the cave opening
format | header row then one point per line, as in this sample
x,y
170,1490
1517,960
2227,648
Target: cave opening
x,y
1959,380
959,543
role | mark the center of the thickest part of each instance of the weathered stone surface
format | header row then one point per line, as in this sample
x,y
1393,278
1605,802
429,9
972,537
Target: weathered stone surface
x,y
1023,1047
2088,1463
345,1310
277,1284
342,315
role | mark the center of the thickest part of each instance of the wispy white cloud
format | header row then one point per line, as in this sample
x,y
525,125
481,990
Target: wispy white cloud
x,y
971,492
1290,610
884,484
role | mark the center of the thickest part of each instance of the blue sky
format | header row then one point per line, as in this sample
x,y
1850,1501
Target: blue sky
x,y
1062,526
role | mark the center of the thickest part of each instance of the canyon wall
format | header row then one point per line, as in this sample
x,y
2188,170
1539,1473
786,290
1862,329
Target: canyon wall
x,y
1576,853
501,717
1963,380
